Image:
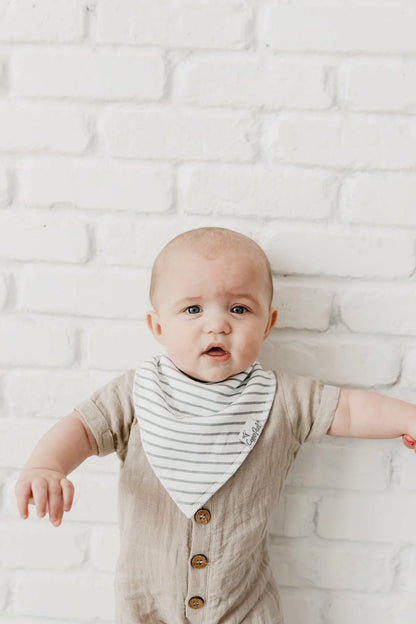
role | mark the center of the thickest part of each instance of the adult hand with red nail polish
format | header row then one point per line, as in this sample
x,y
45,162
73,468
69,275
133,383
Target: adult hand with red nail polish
x,y
409,442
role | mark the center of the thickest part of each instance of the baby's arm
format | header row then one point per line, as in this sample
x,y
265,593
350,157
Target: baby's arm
x,y
365,414
43,478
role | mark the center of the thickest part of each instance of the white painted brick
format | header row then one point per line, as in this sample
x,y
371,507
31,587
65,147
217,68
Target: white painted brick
x,y
385,198
42,128
42,21
302,307
92,74
333,566
4,590
405,472
367,517
4,188
338,28
409,368
99,185
24,236
390,310
335,360
86,595
293,516
338,467
121,242
194,24
17,440
121,347
41,545
257,190
49,393
362,609
3,291
341,140
401,392
110,464
90,292
306,605
378,86
253,81
407,571
176,134
105,548
35,343
15,619
95,497
336,252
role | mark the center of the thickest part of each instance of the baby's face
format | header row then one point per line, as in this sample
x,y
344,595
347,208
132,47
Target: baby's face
x,y
212,314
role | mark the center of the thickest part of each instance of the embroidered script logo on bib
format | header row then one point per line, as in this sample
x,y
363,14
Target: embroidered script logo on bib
x,y
251,431
195,434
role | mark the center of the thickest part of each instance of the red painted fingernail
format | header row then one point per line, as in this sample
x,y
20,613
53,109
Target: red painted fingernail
x,y
408,441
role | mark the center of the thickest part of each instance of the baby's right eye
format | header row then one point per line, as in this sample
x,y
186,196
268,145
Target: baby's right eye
x,y
194,309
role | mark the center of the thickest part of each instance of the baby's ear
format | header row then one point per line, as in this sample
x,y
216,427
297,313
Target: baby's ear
x,y
271,322
154,325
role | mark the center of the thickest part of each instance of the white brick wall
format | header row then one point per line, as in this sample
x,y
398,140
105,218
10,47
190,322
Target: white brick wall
x,y
125,122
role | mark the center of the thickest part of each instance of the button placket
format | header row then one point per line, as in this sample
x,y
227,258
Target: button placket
x,y
198,599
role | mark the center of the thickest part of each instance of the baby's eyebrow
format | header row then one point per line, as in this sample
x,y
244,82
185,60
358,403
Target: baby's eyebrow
x,y
187,300
243,296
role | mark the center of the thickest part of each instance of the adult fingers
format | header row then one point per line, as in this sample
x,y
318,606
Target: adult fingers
x,y
408,441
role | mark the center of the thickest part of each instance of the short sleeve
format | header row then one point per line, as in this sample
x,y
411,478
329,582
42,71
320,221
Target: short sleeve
x,y
310,405
109,413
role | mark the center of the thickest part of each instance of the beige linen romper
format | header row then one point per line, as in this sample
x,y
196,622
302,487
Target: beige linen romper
x,y
213,568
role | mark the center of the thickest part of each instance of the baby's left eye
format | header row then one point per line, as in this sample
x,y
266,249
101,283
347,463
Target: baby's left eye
x,y
239,309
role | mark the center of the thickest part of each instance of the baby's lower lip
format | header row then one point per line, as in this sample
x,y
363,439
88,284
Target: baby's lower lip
x,y
218,356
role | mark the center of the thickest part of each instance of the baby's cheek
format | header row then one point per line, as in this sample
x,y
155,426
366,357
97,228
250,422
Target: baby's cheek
x,y
251,345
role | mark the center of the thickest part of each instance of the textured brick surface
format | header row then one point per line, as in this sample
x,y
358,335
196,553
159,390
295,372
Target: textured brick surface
x,y
124,123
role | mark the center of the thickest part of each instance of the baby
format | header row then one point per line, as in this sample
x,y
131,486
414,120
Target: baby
x,y
205,437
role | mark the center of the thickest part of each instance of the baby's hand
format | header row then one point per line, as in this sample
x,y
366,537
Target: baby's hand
x,y
49,490
409,441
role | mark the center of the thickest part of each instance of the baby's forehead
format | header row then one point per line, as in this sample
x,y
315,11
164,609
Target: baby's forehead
x,y
228,273
220,251
224,250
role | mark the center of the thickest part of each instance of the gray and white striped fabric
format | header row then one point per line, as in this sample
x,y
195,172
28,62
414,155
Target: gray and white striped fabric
x,y
196,434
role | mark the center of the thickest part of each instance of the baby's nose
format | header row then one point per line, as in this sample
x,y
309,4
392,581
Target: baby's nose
x,y
217,323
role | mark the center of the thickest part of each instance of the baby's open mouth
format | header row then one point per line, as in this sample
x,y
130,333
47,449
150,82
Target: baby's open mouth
x,y
216,352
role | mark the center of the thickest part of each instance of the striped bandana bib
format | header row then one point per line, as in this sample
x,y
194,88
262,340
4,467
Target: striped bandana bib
x,y
196,434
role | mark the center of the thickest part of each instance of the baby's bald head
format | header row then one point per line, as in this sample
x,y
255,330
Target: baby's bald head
x,y
209,242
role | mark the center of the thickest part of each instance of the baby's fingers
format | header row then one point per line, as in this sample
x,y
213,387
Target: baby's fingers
x,y
55,503
23,490
40,495
68,493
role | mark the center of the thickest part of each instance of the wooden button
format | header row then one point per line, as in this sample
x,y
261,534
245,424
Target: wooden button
x,y
202,516
196,602
199,561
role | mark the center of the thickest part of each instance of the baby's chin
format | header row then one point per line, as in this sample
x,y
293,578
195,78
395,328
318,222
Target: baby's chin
x,y
214,376
211,379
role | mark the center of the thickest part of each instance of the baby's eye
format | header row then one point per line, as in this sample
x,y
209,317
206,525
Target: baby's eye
x,y
194,309
239,309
